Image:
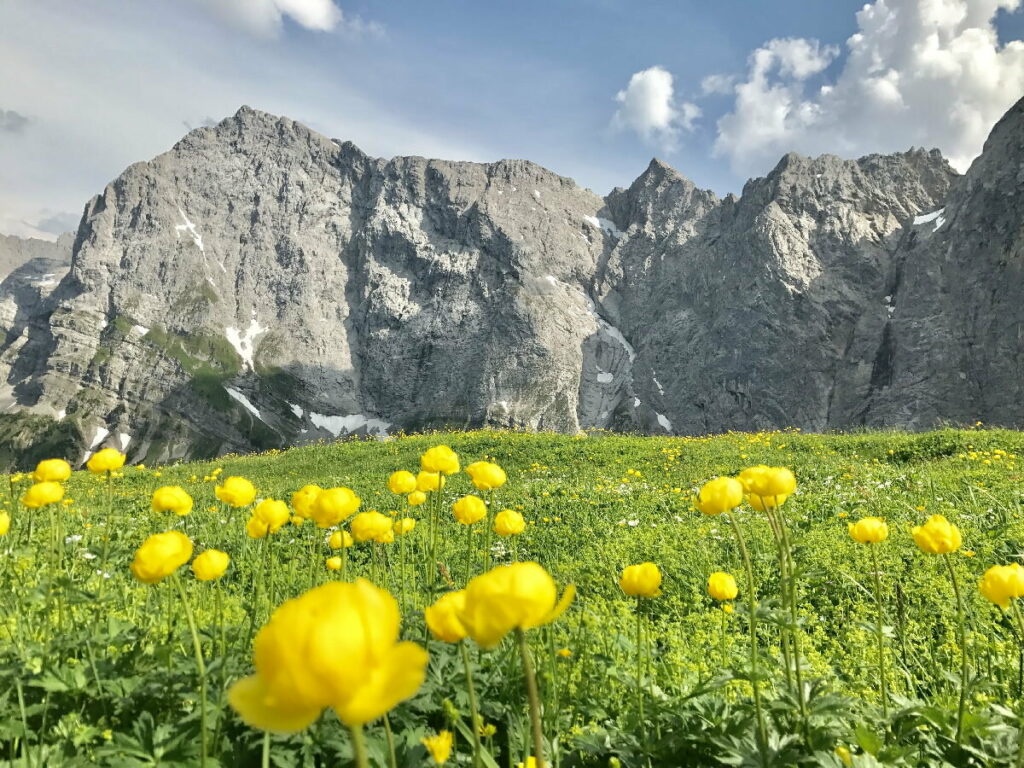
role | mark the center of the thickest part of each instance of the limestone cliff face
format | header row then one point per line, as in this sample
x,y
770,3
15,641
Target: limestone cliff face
x,y
262,285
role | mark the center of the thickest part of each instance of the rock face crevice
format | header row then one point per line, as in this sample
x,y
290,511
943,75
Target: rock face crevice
x,y
262,285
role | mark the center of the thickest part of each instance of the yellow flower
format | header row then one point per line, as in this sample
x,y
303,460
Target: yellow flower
x,y
42,494
172,498
429,481
161,555
440,458
727,608
416,498
488,730
531,762
304,499
720,495
402,482
937,537
469,509
722,586
486,475
439,746
297,520
5,523
643,580
517,596
773,502
404,525
273,513
869,530
106,460
1002,583
256,528
236,492
443,617
334,563
334,506
843,753
768,481
210,564
565,653
52,470
340,539
372,526
508,522
334,646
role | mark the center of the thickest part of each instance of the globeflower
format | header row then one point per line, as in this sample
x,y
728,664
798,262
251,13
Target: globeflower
x,y
161,555
720,495
404,525
443,617
439,746
334,506
869,530
642,580
517,596
42,494
52,470
767,481
486,475
429,481
334,646
256,528
1002,583
508,522
937,537
210,565
774,502
106,460
304,498
402,482
416,498
334,563
5,523
274,514
340,540
372,526
172,498
469,509
236,492
722,586
440,458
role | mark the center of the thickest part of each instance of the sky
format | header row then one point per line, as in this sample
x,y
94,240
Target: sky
x,y
592,89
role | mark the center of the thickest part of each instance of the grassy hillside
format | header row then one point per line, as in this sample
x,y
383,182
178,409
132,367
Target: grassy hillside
x,y
98,669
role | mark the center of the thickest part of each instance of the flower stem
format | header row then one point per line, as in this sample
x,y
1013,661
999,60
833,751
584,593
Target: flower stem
x,y
390,737
762,728
964,667
534,698
639,664
359,746
878,631
473,710
1020,726
198,648
265,761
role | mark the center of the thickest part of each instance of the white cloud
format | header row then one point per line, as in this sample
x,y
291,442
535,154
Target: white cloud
x,y
648,107
917,73
265,17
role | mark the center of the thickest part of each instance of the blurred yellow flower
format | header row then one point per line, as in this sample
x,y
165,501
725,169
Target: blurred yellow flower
x,y
42,494
340,539
404,525
937,537
1002,583
334,506
304,499
416,498
334,646
334,563
402,482
722,586
565,653
517,596
106,460
869,530
773,502
719,495
256,528
508,522
52,470
210,564
486,475
161,555
429,481
273,513
172,498
236,492
469,509
443,617
5,523
440,458
768,482
439,746
372,526
643,580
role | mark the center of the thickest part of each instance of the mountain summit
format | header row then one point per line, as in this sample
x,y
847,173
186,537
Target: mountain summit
x,y
262,285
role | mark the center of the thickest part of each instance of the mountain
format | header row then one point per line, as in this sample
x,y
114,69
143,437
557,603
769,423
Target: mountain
x,y
262,285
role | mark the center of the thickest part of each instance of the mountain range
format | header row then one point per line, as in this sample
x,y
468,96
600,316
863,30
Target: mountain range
x,y
261,285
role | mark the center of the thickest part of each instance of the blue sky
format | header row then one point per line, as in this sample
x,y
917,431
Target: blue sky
x,y
589,88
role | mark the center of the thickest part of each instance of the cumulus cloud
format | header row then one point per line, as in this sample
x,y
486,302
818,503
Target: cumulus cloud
x,y
11,121
917,73
649,108
266,17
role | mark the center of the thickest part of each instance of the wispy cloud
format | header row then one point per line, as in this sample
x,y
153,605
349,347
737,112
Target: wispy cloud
x,y
649,108
266,17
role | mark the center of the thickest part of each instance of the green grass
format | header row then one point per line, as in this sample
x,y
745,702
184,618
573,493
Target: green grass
x,y
103,665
